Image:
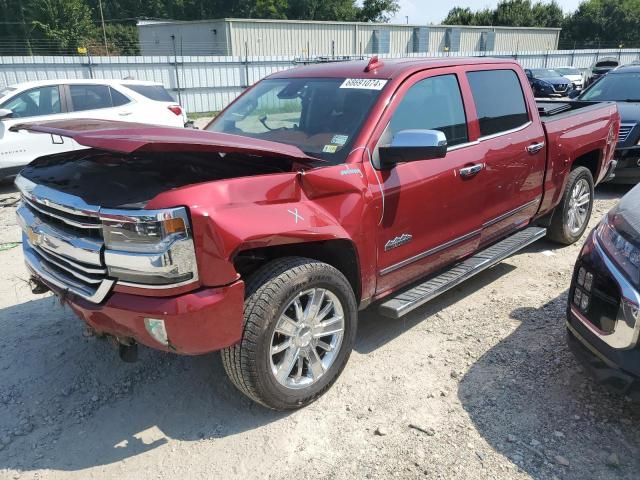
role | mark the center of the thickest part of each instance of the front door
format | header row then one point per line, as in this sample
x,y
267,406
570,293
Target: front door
x,y
432,209
21,147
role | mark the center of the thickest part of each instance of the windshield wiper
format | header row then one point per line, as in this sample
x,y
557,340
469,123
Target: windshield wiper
x,y
630,100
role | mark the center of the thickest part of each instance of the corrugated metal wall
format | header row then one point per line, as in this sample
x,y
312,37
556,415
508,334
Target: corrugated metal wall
x,y
268,37
208,83
197,38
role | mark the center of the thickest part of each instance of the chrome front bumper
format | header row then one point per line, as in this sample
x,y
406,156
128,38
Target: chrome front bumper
x,y
626,331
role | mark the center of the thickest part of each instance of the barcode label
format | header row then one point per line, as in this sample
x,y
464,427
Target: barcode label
x,y
364,83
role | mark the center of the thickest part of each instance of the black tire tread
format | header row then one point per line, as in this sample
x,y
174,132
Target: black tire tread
x,y
239,360
556,231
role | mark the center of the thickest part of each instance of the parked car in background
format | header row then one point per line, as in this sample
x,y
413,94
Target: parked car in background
x,y
573,74
622,85
603,317
319,191
123,100
598,69
548,83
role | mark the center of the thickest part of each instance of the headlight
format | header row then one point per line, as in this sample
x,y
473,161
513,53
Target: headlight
x,y
622,252
153,247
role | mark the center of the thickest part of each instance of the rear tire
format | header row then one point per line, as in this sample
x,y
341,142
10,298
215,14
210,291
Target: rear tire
x,y
283,360
571,217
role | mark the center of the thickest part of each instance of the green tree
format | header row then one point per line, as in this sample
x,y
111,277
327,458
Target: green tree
x,y
510,13
63,24
604,23
377,10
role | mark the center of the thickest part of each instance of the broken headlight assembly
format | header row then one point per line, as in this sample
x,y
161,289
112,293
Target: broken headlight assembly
x,y
149,248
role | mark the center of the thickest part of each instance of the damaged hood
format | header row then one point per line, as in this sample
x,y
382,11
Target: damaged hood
x,y
125,137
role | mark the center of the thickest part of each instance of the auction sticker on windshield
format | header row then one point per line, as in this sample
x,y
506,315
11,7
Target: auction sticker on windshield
x,y
364,83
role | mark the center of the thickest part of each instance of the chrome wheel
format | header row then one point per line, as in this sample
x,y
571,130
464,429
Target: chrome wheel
x,y
307,338
578,206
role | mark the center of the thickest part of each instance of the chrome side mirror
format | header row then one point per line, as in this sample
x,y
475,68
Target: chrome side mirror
x,y
5,113
412,146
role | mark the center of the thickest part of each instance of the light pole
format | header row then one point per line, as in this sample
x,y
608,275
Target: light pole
x,y
407,18
104,30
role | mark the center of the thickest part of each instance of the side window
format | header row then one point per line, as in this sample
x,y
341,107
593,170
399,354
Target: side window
x,y
499,100
431,104
35,102
90,97
117,98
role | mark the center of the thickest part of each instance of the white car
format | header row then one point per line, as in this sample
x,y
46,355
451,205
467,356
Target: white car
x,y
123,100
573,74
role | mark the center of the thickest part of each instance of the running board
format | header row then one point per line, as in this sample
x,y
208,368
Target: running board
x,y
409,300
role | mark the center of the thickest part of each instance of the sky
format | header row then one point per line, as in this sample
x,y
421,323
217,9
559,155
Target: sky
x,y
434,11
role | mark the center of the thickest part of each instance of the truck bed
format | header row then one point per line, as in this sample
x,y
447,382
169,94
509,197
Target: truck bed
x,y
554,110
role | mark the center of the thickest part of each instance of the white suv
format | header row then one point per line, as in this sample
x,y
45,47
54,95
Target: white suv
x,y
123,100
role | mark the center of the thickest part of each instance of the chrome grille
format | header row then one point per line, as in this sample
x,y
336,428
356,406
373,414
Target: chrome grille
x,y
560,88
625,130
63,241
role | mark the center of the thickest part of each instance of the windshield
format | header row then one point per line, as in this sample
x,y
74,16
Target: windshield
x,y
618,87
321,116
544,73
568,71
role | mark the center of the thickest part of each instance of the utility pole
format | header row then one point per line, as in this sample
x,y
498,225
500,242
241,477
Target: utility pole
x,y
407,17
104,30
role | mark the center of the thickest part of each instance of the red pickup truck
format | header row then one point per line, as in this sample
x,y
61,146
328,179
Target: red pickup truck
x,y
319,191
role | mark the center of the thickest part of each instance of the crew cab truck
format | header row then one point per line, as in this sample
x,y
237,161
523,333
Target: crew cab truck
x,y
318,192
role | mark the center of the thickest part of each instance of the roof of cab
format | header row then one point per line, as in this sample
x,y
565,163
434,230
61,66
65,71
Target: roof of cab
x,y
390,68
81,81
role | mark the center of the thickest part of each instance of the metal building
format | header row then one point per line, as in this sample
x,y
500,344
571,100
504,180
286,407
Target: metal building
x,y
241,37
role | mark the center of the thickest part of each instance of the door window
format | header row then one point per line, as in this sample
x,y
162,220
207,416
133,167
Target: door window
x,y
35,102
499,100
431,104
94,97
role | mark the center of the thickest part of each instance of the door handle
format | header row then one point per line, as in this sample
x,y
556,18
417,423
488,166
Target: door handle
x,y
124,114
535,148
467,172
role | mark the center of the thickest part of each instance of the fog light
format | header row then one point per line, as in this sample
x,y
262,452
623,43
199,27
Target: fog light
x,y
588,281
581,274
584,303
157,330
577,297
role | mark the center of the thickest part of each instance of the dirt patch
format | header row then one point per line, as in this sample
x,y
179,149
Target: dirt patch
x,y
477,384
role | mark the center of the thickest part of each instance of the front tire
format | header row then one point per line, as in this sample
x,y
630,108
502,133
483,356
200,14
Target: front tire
x,y
571,217
300,326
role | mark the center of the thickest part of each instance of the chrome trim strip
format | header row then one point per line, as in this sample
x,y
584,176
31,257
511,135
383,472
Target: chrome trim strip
x,y
75,248
38,268
462,145
506,132
626,332
66,220
52,260
55,199
428,253
508,214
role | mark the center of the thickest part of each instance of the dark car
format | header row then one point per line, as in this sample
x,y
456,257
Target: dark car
x,y
548,83
599,69
604,299
622,85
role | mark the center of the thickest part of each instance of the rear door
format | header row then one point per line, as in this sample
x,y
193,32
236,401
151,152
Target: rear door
x,y
512,144
432,214
100,102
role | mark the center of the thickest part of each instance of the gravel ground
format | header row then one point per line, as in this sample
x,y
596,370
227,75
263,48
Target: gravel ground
x,y
479,384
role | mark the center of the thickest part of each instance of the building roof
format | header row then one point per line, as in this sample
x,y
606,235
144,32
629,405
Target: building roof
x,y
390,68
147,23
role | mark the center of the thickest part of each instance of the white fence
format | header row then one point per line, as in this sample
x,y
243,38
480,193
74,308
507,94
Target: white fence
x,y
207,84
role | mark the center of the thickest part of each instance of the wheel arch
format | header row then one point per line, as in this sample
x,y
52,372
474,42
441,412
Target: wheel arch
x,y
339,253
591,161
